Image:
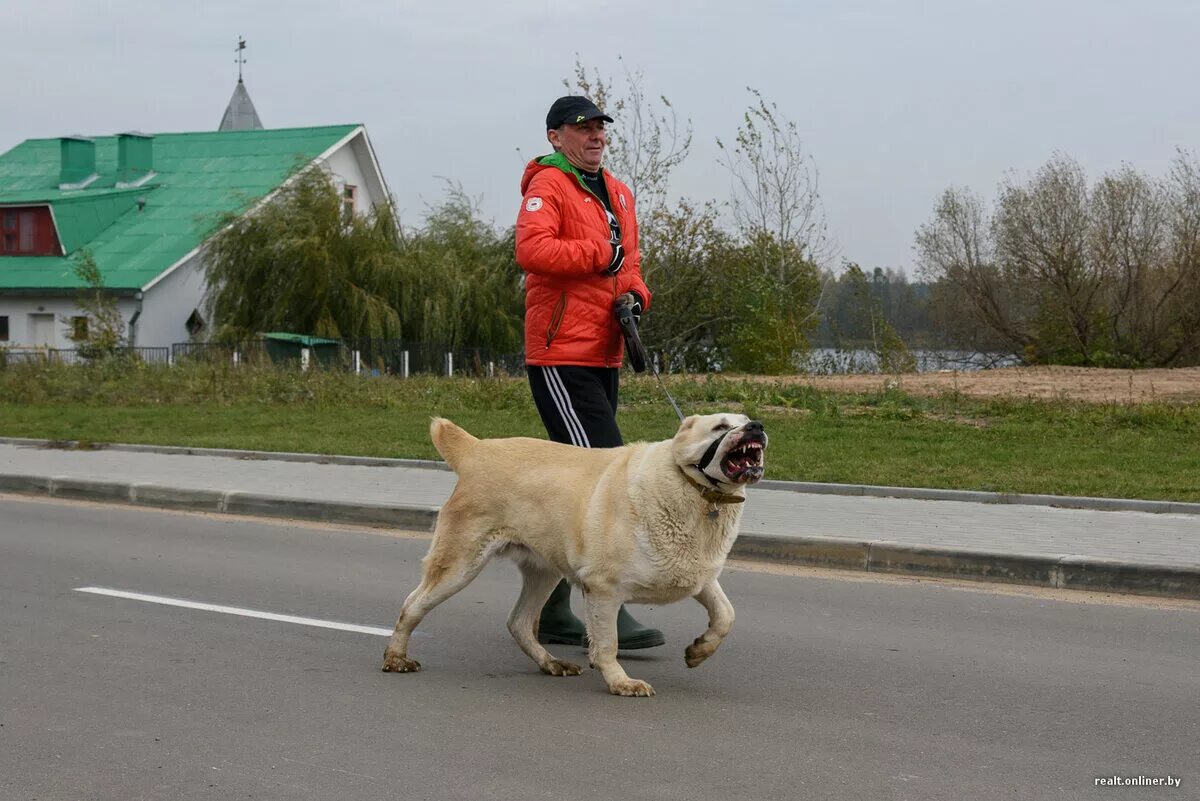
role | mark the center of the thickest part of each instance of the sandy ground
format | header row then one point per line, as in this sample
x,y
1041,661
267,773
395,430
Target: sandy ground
x,y
1076,383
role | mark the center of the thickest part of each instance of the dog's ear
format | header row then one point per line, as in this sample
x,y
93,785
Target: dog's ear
x,y
688,423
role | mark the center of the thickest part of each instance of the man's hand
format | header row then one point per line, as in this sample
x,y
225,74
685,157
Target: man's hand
x,y
618,259
631,300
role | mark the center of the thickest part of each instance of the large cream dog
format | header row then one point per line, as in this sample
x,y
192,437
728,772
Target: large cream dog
x,y
645,523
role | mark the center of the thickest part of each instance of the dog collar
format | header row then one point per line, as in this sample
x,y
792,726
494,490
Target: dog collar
x,y
711,495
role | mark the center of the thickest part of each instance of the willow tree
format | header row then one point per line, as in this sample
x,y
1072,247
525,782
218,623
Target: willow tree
x,y
299,263
459,284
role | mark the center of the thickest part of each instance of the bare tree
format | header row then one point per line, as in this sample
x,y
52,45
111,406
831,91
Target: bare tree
x,y
1179,296
776,205
646,143
776,185
955,249
1041,232
1127,243
1104,275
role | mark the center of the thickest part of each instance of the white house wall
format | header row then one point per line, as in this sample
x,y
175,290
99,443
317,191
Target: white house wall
x,y
351,164
163,321
21,309
167,305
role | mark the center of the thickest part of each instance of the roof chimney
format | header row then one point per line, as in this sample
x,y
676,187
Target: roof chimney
x,y
78,162
135,158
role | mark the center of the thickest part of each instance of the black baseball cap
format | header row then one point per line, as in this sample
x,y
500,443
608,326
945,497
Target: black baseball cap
x,y
573,109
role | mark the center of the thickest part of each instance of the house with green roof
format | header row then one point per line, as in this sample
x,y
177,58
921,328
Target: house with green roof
x,y
144,205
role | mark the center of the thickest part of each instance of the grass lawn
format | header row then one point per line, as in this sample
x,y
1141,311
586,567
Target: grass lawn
x,y
886,437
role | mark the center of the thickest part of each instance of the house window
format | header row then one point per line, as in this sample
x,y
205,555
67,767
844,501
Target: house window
x,y
25,242
3,328
12,223
349,194
79,328
194,324
28,232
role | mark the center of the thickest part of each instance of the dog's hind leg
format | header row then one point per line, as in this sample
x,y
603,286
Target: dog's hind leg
x,y
537,583
720,621
602,646
455,558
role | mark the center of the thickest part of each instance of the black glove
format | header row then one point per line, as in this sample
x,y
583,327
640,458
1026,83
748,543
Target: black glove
x,y
634,301
618,259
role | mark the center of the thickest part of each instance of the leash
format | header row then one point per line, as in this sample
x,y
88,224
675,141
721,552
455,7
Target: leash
x,y
663,387
639,358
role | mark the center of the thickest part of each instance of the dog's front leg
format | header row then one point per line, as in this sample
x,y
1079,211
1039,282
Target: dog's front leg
x,y
720,621
602,646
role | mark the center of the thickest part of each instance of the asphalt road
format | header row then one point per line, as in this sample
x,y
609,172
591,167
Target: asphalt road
x,y
829,686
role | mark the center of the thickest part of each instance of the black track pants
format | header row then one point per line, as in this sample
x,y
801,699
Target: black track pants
x,y
578,405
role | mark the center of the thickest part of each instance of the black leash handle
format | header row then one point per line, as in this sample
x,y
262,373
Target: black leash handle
x,y
638,357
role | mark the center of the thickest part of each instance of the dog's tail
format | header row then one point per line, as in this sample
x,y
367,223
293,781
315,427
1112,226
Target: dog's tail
x,y
452,442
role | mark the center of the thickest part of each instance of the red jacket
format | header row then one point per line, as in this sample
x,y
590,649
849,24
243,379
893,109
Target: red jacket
x,y
563,247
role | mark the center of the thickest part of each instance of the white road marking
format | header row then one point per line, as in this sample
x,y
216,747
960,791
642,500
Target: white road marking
x,y
237,610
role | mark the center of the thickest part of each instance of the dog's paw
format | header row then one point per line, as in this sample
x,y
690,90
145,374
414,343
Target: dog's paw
x,y
399,664
697,652
557,667
631,688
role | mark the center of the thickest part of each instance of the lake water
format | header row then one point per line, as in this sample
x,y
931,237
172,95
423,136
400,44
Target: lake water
x,y
834,361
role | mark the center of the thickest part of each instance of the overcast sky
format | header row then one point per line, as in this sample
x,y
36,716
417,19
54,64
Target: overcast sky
x,y
895,101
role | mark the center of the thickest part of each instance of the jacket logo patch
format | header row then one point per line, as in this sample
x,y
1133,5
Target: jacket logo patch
x,y
622,199
533,204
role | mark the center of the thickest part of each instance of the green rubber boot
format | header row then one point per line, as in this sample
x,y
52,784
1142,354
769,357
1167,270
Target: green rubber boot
x,y
558,625
632,635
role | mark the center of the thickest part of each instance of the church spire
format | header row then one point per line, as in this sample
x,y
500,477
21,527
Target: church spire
x,y
240,114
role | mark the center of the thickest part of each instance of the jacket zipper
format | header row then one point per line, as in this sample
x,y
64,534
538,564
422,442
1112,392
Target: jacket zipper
x,y
556,318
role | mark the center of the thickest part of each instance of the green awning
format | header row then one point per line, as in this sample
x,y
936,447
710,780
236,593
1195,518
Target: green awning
x,y
298,339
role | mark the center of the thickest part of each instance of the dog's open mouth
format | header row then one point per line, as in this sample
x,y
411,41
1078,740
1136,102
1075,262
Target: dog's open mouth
x,y
745,462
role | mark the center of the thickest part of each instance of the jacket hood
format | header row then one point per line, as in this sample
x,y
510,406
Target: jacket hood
x,y
554,161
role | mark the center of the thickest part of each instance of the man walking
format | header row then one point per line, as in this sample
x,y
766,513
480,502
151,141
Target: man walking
x,y
577,241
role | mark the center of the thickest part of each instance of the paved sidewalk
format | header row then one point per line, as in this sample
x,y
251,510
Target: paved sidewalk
x,y
1126,551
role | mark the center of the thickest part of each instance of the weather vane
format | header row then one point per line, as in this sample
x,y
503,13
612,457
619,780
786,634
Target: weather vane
x,y
241,59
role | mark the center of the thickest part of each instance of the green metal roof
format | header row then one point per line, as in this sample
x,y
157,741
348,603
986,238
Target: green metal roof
x,y
198,177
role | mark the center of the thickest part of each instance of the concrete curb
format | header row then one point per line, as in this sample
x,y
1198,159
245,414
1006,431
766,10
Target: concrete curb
x,y
1060,571
972,496
412,517
229,453
816,487
1063,571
